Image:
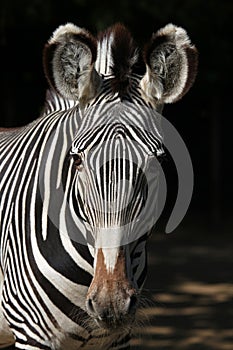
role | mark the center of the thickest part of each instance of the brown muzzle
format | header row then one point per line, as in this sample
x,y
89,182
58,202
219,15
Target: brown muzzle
x,y
111,299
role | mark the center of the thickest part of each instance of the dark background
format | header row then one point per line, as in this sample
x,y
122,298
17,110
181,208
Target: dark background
x,y
203,118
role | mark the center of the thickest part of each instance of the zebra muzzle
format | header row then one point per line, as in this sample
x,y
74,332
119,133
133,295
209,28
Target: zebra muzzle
x,y
111,299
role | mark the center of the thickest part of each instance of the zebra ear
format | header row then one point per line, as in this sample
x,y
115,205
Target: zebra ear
x,y
171,62
69,59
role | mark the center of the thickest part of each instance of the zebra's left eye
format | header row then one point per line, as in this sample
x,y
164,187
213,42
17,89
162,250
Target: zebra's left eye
x,y
77,160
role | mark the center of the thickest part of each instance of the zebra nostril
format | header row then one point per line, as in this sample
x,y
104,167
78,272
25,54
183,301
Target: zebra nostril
x,y
133,304
90,306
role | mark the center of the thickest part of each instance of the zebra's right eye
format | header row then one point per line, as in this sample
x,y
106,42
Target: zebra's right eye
x,y
77,160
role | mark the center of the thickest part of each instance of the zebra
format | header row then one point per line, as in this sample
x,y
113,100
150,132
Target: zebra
x,y
72,185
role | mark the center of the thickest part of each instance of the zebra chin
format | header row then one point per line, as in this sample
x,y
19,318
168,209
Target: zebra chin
x,y
115,325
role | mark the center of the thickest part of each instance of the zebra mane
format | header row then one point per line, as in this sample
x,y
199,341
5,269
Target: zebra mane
x,y
117,55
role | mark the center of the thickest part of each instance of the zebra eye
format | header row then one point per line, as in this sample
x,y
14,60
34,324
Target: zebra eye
x,y
77,160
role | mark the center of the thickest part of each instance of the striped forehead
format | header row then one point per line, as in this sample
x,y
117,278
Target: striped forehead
x,y
102,123
112,135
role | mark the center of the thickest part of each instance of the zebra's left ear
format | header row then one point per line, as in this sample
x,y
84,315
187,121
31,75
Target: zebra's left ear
x,y
171,61
69,59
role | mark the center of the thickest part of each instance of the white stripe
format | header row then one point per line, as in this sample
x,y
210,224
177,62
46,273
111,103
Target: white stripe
x,y
110,258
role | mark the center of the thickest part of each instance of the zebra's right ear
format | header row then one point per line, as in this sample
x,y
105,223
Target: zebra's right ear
x,y
171,65
69,58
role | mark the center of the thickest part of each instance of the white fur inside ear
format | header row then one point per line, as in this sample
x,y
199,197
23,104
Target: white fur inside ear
x,y
151,87
181,40
68,28
183,76
167,65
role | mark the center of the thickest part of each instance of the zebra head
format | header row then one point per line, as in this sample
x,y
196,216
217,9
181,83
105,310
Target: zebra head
x,y
120,92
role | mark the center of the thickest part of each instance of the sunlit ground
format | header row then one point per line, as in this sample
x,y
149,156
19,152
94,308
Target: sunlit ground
x,y
191,283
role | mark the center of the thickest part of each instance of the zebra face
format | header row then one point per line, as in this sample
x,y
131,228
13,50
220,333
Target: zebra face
x,y
117,182
118,91
113,180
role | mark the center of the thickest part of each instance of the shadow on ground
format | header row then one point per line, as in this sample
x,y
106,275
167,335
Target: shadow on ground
x,y
191,282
